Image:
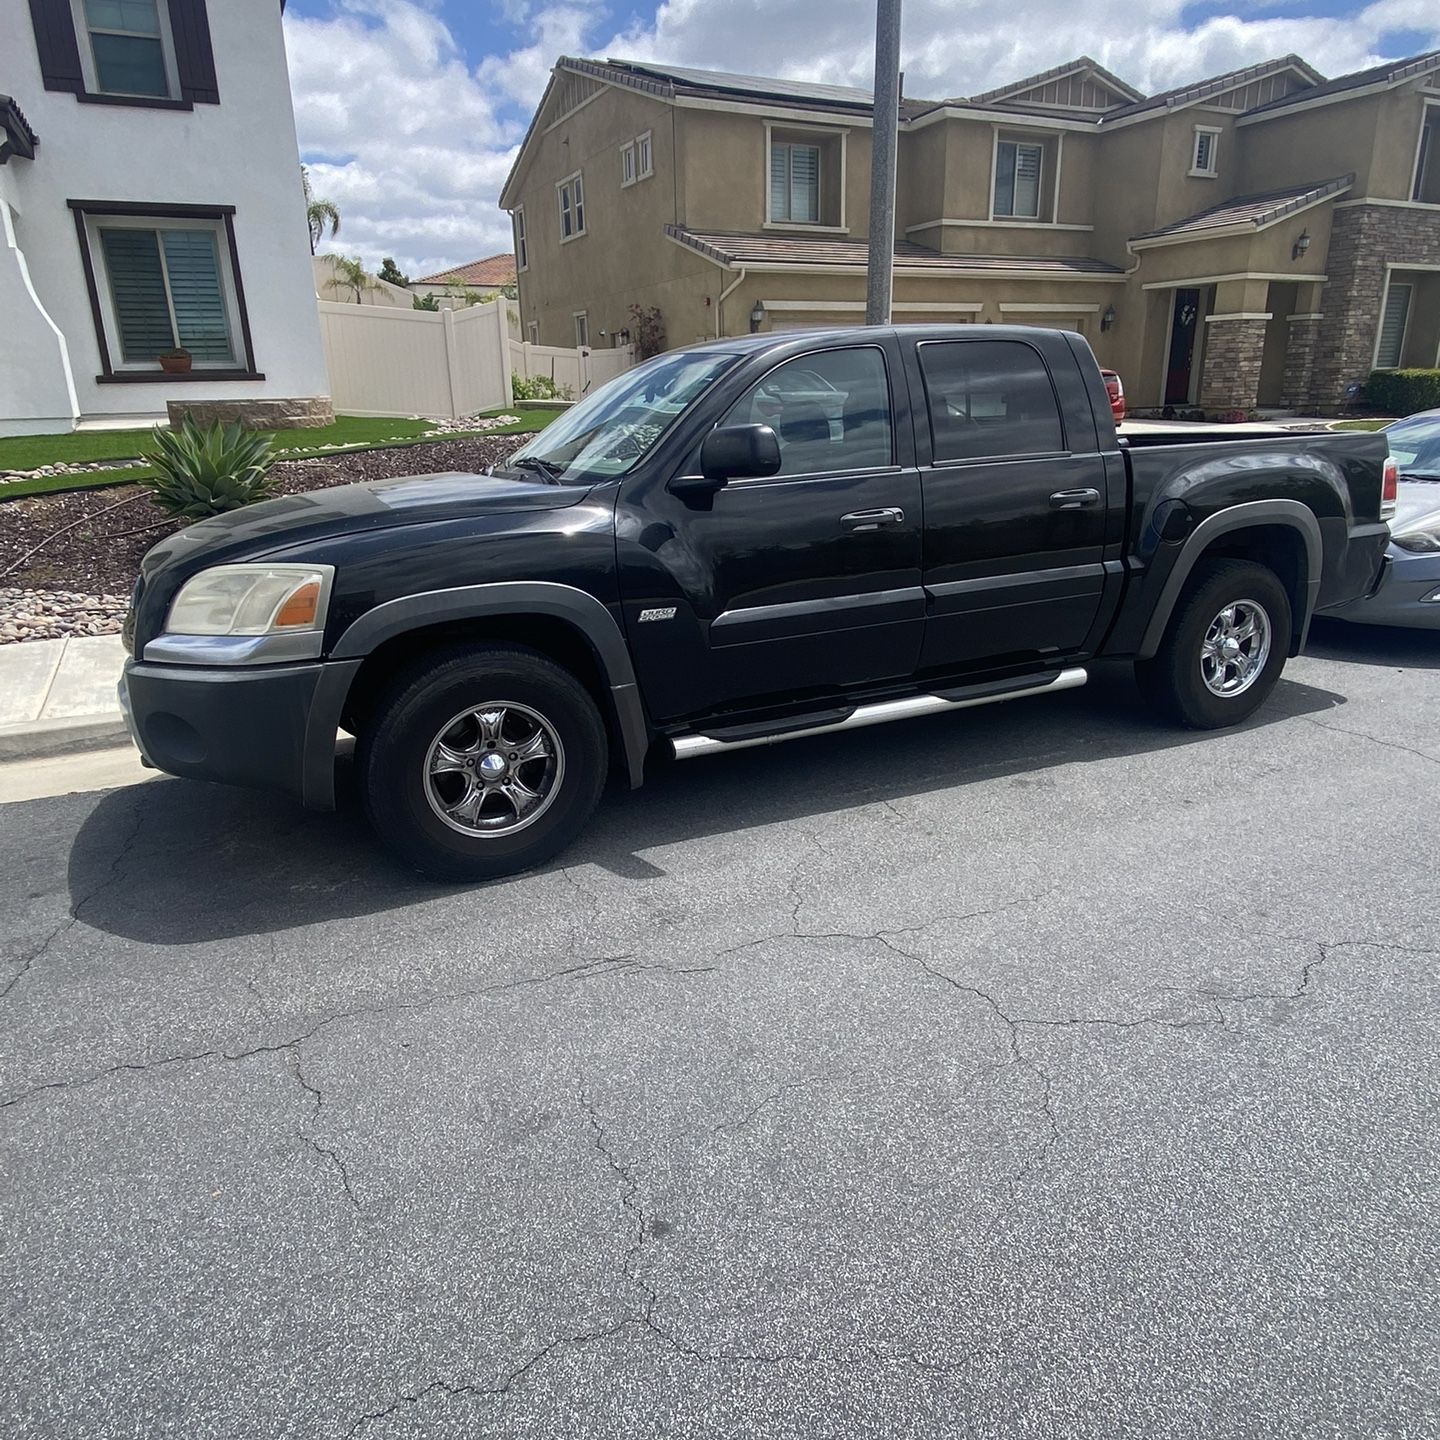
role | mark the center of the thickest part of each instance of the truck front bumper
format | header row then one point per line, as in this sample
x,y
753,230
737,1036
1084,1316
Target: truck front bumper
x,y
265,727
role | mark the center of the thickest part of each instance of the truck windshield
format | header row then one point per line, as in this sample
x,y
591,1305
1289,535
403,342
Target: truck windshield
x,y
606,433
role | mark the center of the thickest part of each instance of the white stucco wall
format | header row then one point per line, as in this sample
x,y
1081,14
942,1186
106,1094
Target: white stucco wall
x,y
241,152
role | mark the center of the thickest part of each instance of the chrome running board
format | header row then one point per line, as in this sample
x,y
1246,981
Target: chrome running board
x,y
908,708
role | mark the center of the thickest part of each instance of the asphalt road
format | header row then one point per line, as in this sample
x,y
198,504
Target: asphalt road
x,y
1033,1071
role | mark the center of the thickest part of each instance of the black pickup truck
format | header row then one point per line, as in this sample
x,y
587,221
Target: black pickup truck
x,y
731,545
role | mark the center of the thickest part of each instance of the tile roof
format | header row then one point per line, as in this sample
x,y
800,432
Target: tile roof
x,y
1033,82
493,270
1391,72
15,131
1215,85
1254,211
728,248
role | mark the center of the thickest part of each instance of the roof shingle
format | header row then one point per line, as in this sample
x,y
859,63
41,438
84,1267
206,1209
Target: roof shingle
x,y
493,270
730,248
1255,211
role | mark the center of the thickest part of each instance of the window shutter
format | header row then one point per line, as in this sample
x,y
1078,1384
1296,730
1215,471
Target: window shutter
x,y
137,285
193,265
56,45
1005,178
1392,328
1027,180
779,182
194,56
805,184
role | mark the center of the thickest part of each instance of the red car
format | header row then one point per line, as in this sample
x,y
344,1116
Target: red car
x,y
1116,392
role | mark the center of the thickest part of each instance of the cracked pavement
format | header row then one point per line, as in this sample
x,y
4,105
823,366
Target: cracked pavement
x,y
1063,1075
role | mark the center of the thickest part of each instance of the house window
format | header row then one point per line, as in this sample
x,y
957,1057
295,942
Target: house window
x,y
627,164
522,247
160,280
1427,160
582,330
129,45
1203,153
572,207
1392,327
1018,168
644,156
795,183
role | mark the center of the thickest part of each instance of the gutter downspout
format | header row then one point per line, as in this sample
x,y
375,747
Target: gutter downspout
x,y
720,300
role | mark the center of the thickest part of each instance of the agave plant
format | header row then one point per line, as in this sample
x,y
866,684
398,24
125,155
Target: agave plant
x,y
209,470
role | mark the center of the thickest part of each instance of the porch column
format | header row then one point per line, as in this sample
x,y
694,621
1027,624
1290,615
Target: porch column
x,y
1234,346
1302,339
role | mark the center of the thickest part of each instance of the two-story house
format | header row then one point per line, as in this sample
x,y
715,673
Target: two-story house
x,y
1265,237
150,201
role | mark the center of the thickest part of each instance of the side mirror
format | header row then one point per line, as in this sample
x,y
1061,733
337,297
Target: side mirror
x,y
739,452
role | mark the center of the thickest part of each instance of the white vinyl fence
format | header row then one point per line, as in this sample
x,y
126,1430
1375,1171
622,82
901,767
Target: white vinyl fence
x,y
445,364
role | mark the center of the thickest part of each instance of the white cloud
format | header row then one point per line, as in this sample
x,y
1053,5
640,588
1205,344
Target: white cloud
x,y
413,143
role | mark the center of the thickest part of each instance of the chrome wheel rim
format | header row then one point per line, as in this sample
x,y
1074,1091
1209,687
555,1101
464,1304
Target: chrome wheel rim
x,y
1235,648
493,769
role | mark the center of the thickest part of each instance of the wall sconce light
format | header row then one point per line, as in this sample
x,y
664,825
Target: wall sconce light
x,y
1108,318
757,315
1301,245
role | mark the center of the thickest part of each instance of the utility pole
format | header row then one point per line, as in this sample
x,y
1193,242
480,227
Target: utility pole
x,y
879,280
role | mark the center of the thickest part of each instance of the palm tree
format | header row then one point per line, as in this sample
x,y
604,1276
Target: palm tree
x,y
321,215
349,271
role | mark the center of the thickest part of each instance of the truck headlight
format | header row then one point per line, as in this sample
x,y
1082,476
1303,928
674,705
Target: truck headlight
x,y
252,600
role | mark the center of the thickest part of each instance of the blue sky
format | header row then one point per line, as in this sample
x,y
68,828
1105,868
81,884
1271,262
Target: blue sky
x,y
409,111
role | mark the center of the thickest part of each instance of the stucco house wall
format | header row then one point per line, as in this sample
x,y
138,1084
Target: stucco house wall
x,y
239,153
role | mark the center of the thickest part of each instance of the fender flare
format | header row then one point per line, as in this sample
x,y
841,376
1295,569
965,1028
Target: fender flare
x,y
1290,513
393,618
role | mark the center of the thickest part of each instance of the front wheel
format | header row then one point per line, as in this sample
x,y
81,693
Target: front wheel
x,y
1224,648
480,762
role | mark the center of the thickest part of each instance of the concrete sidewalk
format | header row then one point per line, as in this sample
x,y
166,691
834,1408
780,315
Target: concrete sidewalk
x,y
59,695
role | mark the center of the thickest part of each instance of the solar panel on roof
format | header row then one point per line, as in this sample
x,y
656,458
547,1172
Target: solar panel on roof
x,y
753,84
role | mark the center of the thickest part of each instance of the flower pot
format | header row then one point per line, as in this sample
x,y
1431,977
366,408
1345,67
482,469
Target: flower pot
x,y
176,364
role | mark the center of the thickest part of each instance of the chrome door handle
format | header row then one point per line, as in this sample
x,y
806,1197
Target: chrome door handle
x,y
1074,499
872,519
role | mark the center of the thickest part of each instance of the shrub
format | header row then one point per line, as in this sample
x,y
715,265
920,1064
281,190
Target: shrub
x,y
537,387
425,302
649,331
1403,392
209,471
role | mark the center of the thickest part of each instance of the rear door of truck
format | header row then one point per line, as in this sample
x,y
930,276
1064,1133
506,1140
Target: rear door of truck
x,y
1015,474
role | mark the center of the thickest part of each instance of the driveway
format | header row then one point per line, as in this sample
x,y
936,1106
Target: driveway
x,y
1032,1071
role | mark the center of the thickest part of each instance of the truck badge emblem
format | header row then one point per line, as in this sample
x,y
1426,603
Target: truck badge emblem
x,y
665,612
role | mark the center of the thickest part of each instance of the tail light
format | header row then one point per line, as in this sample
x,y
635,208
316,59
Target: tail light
x,y
1389,489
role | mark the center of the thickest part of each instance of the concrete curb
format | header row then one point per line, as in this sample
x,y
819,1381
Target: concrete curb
x,y
33,739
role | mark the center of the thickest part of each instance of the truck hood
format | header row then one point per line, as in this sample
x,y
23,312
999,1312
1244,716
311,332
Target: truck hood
x,y
346,509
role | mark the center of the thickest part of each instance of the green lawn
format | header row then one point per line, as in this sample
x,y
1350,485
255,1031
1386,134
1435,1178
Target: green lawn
x,y
354,432
1360,424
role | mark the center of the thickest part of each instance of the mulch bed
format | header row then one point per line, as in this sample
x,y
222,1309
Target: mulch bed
x,y
102,554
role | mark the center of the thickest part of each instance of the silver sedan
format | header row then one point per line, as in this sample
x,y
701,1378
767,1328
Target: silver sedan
x,y
1409,589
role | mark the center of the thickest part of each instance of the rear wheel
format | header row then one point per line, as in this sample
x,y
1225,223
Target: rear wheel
x,y
1224,648
479,763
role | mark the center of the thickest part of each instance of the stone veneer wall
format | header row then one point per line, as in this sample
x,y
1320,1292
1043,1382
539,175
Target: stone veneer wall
x,y
1230,378
1302,341
1364,239
308,413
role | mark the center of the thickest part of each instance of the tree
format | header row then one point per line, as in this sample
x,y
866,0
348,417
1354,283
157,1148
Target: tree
x,y
391,272
351,273
320,215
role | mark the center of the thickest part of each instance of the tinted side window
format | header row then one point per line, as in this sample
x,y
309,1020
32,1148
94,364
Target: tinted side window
x,y
830,411
989,397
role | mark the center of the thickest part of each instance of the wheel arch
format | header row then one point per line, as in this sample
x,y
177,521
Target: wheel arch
x,y
1283,535
569,625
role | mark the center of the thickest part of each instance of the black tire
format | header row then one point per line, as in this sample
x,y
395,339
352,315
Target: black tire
x,y
1174,680
394,757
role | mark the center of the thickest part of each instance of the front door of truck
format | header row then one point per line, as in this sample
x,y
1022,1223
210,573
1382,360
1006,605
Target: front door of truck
x,y
1016,502
793,586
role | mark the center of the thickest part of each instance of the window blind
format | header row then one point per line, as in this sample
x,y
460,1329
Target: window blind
x,y
795,183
